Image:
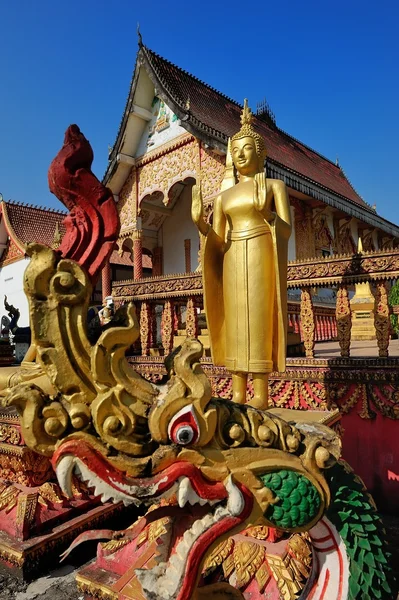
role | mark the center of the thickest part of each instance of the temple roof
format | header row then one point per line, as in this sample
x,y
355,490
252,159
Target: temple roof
x,y
27,223
213,117
218,116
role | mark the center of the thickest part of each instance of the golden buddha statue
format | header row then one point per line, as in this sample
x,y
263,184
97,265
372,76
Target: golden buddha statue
x,y
245,266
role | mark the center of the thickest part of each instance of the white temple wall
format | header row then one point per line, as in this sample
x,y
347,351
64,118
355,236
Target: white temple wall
x,y
174,231
12,286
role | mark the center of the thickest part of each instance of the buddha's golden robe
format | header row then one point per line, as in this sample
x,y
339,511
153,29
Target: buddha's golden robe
x,y
245,284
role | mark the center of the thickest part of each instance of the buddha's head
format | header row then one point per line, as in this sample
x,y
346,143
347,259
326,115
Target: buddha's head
x,y
248,150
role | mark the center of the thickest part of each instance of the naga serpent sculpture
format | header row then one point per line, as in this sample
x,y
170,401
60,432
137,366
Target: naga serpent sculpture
x,y
244,503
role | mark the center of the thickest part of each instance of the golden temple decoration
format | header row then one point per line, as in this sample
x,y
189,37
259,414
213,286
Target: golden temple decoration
x,y
127,205
97,386
247,559
344,320
382,318
162,172
307,321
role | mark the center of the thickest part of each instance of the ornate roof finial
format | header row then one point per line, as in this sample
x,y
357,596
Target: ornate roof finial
x,y
57,237
139,36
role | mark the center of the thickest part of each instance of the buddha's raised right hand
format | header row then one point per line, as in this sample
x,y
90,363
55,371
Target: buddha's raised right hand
x,y
197,210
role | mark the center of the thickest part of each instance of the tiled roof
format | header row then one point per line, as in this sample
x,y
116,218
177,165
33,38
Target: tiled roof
x,y
126,260
218,116
29,223
123,260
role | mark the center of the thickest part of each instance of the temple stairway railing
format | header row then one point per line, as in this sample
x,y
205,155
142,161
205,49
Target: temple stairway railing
x,y
171,305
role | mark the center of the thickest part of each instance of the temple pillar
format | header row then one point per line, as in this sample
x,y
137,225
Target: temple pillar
x,y
307,322
382,318
106,283
157,261
167,327
191,319
145,328
344,320
187,255
137,254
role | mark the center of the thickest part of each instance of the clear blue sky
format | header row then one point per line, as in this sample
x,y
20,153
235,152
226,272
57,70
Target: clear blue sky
x,y
329,71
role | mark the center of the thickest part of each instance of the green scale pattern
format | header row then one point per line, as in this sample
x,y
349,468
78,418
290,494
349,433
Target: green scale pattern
x,y
299,500
353,513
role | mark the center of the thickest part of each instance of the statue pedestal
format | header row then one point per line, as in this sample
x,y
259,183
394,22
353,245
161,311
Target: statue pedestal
x,y
37,522
362,307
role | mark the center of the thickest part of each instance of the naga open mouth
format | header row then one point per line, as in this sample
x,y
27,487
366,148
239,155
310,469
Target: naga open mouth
x,y
208,509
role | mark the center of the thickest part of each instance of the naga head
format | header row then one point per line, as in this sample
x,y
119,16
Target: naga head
x,y
213,466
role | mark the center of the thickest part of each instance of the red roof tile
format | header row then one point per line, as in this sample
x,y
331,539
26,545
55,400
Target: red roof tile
x,y
126,260
123,260
33,223
219,116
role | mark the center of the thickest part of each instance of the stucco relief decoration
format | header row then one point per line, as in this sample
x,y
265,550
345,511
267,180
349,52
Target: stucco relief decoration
x,y
304,235
161,173
212,172
344,239
367,241
323,237
127,202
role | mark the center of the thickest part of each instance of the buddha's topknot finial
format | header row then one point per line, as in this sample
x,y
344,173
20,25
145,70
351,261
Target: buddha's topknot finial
x,y
246,115
247,130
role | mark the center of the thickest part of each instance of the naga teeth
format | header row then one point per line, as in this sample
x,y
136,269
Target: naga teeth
x,y
235,502
64,474
185,493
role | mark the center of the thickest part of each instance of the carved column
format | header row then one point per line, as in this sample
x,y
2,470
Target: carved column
x,y
344,320
187,255
145,328
382,318
157,260
167,326
106,280
137,254
191,319
307,322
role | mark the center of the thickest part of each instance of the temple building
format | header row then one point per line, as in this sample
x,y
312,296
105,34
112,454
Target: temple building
x,y
22,223
174,133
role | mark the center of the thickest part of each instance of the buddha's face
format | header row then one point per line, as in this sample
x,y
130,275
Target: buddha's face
x,y
244,155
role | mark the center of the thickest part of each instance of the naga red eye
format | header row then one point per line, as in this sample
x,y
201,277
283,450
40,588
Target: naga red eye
x,y
183,428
